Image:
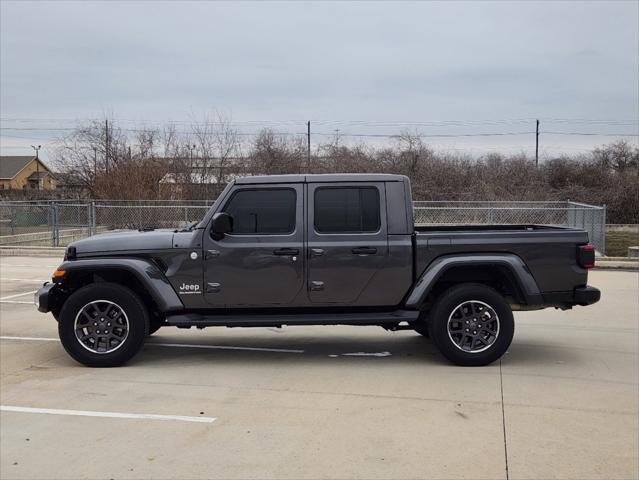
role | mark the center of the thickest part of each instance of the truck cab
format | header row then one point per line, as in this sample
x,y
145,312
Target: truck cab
x,y
307,241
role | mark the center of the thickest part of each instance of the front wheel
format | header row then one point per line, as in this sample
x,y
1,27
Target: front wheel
x,y
421,326
103,325
471,325
155,323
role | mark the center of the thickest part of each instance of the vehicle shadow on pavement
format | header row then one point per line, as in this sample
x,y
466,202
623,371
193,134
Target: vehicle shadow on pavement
x,y
410,349
413,349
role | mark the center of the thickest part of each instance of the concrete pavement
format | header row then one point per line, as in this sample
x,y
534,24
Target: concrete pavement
x,y
288,403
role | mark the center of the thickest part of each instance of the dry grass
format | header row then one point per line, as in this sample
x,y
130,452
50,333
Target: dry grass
x,y
617,243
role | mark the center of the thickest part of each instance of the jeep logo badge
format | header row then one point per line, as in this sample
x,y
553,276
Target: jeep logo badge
x,y
186,289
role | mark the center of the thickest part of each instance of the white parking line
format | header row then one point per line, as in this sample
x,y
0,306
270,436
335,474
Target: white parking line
x,y
20,265
9,297
173,345
85,413
16,301
32,339
23,280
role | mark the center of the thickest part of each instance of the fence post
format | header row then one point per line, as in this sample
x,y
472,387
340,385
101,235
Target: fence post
x,y
55,228
571,214
603,231
57,225
52,223
12,221
93,220
88,220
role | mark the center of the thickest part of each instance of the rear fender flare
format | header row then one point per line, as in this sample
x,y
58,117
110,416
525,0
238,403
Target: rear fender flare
x,y
148,274
515,265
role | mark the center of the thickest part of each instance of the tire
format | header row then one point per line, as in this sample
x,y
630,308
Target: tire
x,y
125,320
423,331
421,325
463,310
155,324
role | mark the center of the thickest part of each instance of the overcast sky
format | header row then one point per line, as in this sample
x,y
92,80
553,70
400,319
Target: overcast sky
x,y
487,67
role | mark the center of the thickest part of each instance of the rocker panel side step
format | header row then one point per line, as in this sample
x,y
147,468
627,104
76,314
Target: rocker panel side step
x,y
276,320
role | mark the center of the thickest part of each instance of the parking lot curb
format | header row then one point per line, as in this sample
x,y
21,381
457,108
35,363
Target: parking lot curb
x,y
617,265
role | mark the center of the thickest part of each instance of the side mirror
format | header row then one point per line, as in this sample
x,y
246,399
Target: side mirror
x,y
221,225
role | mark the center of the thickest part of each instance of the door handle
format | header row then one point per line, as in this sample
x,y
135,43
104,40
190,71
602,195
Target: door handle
x,y
290,252
364,251
317,252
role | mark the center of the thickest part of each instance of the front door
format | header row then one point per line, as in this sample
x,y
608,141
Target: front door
x,y
347,242
261,262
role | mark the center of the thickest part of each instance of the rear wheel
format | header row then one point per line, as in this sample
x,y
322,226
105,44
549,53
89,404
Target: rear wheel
x,y
471,325
103,325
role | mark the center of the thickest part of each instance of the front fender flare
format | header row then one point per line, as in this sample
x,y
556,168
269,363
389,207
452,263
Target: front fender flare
x,y
515,265
149,275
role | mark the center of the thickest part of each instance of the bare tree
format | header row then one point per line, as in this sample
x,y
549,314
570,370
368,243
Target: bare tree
x,y
110,163
273,154
100,157
218,145
619,155
89,151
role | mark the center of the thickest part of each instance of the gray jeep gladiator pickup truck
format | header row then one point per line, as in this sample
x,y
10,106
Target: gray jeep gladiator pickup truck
x,y
315,250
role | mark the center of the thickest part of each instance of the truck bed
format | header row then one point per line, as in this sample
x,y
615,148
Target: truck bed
x,y
545,249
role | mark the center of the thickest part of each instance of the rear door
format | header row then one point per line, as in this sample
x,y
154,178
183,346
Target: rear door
x,y
347,240
261,262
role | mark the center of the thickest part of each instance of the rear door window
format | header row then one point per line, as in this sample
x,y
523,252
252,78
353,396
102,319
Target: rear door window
x,y
347,210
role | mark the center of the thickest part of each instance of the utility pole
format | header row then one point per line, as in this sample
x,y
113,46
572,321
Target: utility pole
x,y
37,149
537,145
106,146
191,148
337,138
308,142
95,163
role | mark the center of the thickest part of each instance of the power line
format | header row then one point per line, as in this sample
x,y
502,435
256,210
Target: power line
x,y
372,135
394,123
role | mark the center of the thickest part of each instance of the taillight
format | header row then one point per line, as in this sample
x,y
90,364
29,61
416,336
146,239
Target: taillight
x,y
586,256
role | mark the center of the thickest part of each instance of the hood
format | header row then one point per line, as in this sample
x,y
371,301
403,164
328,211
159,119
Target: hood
x,y
125,240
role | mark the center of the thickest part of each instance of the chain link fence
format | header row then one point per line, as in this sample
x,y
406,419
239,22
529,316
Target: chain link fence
x,y
569,214
60,222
